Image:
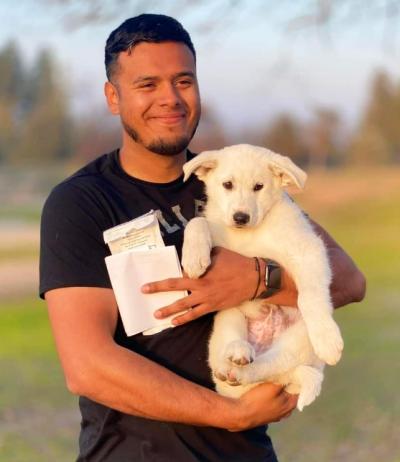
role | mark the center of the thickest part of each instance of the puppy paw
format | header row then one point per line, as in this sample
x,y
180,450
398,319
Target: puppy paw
x,y
196,260
240,353
230,375
225,373
327,341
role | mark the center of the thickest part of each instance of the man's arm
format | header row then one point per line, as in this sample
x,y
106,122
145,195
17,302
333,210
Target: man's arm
x,y
83,320
348,283
232,279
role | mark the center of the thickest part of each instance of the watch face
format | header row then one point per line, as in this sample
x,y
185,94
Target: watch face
x,y
274,275
272,278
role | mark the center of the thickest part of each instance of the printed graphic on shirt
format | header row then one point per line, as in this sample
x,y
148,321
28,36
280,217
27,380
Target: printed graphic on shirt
x,y
180,222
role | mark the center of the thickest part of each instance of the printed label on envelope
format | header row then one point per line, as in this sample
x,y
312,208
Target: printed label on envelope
x,y
142,233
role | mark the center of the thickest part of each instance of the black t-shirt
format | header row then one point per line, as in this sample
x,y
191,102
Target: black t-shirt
x,y
97,197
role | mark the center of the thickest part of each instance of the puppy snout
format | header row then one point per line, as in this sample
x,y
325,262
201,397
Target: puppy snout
x,y
241,218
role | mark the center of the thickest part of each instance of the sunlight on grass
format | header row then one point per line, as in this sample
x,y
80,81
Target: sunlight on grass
x,y
39,420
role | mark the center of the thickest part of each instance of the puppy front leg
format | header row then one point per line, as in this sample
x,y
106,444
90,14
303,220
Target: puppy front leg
x,y
228,343
312,276
197,245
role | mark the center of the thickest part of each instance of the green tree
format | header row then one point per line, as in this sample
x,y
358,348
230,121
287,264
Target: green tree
x,y
322,138
284,136
11,89
11,74
369,147
377,139
46,132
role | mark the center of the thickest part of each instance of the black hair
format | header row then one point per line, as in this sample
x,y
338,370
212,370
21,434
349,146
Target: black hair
x,y
153,28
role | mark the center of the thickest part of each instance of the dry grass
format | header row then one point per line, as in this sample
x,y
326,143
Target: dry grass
x,y
326,191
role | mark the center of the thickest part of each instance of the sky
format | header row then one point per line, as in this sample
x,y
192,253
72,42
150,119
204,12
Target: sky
x,y
249,67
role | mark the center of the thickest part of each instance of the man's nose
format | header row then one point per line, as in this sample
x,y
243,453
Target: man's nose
x,y
241,218
170,95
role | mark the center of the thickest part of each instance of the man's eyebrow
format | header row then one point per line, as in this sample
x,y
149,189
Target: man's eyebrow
x,y
184,74
152,78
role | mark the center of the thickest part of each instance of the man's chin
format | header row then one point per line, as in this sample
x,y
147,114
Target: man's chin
x,y
169,148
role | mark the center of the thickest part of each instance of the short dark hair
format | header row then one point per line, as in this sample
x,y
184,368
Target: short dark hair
x,y
153,28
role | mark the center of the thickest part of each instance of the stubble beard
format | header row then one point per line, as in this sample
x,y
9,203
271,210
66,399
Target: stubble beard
x,y
161,146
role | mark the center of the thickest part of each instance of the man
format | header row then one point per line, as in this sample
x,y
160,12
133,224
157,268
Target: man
x,y
150,398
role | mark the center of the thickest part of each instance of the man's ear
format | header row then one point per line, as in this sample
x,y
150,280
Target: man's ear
x,y
111,92
287,170
201,165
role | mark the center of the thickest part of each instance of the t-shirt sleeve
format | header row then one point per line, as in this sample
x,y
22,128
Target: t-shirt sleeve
x,y
72,249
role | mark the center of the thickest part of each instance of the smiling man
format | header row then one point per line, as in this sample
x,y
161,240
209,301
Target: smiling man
x,y
162,125
151,398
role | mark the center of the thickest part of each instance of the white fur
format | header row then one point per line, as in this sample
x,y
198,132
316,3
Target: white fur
x,y
276,229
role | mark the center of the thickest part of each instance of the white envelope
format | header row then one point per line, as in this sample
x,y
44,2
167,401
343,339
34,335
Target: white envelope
x,y
131,269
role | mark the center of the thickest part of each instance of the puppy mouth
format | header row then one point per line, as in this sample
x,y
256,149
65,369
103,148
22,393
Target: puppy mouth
x,y
235,225
240,226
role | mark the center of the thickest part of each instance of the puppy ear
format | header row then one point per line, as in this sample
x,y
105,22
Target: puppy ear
x,y
200,165
289,172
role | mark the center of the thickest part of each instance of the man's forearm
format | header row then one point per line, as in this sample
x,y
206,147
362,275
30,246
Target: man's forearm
x,y
130,383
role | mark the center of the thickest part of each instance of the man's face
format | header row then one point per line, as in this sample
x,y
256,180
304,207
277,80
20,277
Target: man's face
x,y
155,92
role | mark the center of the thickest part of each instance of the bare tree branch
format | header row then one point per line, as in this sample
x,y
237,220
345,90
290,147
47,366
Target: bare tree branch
x,y
327,18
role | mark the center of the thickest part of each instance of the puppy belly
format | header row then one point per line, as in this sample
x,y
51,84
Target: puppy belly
x,y
269,324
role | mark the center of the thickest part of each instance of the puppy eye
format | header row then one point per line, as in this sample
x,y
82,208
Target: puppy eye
x,y
258,186
227,185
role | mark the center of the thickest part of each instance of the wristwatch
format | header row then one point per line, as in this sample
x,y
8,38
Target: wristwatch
x,y
272,278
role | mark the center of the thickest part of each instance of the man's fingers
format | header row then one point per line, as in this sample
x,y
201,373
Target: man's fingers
x,y
190,315
291,401
167,285
288,414
180,305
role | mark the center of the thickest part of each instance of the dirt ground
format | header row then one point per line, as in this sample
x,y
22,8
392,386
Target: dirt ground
x,y
330,189
19,276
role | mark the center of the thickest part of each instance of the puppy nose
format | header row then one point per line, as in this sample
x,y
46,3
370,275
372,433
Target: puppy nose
x,y
241,218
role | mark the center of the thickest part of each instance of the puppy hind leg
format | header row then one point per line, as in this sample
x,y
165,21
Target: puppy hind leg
x,y
268,367
290,350
306,381
228,342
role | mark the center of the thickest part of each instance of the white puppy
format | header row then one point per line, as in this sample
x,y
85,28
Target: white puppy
x,y
248,212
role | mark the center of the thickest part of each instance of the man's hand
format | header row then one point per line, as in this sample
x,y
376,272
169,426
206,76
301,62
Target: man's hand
x,y
230,280
263,404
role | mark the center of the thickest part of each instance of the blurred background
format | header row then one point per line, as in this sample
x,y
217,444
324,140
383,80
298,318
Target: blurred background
x,y
316,80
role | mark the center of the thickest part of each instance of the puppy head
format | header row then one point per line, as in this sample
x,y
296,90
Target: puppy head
x,y
243,182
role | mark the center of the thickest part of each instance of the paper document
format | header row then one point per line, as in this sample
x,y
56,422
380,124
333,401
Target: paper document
x,y
140,233
131,269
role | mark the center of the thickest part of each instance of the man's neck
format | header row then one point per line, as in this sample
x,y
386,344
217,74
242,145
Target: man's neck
x,y
139,162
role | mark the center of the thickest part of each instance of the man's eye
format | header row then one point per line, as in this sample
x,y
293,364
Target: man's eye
x,y
147,85
258,186
227,185
184,83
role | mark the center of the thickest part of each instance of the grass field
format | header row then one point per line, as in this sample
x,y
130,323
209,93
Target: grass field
x,y
357,417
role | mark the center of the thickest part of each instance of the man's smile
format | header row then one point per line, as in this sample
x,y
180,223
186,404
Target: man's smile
x,y
169,119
